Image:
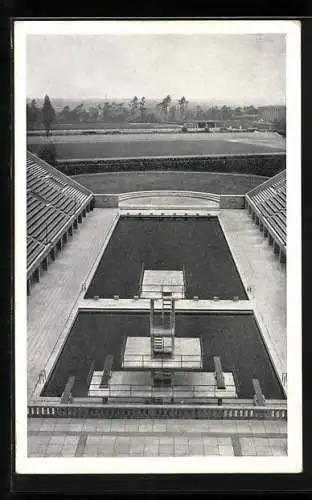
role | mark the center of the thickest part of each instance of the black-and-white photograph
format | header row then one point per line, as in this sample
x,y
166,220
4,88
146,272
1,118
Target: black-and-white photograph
x,y
157,180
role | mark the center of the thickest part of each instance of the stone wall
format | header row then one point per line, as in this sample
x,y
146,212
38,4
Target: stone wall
x,y
106,201
265,164
232,201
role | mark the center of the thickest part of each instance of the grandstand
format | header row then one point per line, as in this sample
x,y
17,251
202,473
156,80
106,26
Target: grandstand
x,y
267,205
63,409
56,205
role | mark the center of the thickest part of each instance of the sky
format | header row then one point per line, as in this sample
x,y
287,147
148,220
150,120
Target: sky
x,y
237,69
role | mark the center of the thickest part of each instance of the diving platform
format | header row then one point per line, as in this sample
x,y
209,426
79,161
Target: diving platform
x,y
159,283
186,355
185,385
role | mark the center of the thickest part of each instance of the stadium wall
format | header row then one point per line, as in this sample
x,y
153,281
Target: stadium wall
x,y
106,200
232,201
265,164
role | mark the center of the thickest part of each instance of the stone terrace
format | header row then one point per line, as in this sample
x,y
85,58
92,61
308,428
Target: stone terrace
x,y
96,438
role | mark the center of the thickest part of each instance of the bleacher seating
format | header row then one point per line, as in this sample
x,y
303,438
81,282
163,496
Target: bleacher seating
x,y
53,200
268,200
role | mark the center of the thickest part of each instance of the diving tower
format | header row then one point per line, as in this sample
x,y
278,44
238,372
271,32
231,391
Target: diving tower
x,y
162,365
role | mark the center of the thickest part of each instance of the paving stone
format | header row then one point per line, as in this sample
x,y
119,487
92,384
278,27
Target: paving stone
x,y
151,452
132,425
196,446
90,451
159,426
117,425
226,450
70,440
57,439
103,426
263,451
224,441
211,450
121,445
136,452
181,451
54,447
93,440
68,453
145,425
165,450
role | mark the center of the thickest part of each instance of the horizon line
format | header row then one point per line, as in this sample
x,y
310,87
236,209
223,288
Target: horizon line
x,y
203,99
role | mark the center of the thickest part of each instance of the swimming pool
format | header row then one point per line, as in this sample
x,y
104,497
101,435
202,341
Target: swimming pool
x,y
234,337
195,244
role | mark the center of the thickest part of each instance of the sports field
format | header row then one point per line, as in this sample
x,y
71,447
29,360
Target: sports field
x,y
233,337
207,182
169,144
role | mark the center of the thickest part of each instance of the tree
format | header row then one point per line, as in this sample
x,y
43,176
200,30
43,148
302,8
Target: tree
x,y
48,153
172,114
106,111
65,114
48,114
237,111
225,112
182,107
79,113
133,105
122,112
142,108
164,105
93,113
199,113
32,114
213,113
250,110
280,126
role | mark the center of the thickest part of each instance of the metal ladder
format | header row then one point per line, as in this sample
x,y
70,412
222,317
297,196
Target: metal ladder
x,y
158,344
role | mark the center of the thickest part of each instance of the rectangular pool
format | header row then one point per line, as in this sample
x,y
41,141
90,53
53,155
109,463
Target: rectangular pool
x,y
196,245
234,337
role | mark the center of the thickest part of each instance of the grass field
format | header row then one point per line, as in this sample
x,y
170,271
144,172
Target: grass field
x,y
170,144
111,126
234,337
208,182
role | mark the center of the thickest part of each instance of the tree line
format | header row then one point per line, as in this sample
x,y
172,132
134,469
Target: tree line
x,y
137,110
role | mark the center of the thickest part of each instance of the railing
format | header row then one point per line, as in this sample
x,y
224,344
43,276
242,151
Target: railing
x,y
139,391
207,412
141,278
161,288
145,361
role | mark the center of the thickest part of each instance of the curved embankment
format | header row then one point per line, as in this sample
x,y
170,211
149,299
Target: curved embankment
x,y
206,182
169,199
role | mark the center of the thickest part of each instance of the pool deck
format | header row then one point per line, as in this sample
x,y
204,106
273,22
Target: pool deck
x,y
261,270
180,305
54,437
54,303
